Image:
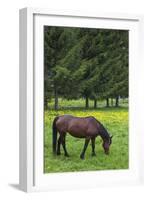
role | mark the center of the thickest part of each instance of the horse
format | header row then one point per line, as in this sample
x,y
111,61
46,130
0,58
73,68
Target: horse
x,y
79,127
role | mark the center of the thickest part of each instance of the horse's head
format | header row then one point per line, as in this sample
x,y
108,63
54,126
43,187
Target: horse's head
x,y
106,144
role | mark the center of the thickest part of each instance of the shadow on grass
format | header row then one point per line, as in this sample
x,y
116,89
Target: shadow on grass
x,y
119,108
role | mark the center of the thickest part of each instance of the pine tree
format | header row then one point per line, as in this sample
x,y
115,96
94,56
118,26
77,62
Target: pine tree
x,y
87,63
57,42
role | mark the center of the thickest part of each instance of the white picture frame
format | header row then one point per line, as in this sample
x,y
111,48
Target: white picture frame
x,y
31,175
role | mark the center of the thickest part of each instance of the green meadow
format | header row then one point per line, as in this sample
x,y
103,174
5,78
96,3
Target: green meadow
x,y
115,120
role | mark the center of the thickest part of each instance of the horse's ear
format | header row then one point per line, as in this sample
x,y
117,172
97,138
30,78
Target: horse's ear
x,y
111,136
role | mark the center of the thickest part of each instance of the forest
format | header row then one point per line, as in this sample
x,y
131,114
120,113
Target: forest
x,y
85,63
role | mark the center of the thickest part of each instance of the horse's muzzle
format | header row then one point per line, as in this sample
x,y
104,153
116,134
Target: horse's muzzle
x,y
107,152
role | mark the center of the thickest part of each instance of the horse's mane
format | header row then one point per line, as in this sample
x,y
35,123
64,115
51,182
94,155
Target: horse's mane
x,y
103,132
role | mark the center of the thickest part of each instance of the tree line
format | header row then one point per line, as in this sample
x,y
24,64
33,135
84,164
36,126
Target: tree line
x,y
85,63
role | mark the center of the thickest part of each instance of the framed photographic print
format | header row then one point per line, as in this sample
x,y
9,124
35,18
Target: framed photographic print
x,y
80,111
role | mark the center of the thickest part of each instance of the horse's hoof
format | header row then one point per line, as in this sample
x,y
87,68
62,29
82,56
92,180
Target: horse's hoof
x,y
67,155
82,157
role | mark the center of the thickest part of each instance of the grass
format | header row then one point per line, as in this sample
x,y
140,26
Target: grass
x,y
116,122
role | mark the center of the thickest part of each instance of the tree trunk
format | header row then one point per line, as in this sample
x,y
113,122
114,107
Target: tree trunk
x,y
86,102
107,102
45,104
111,101
95,103
117,101
56,99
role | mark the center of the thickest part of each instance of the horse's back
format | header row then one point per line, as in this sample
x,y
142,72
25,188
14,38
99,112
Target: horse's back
x,y
62,122
83,127
77,126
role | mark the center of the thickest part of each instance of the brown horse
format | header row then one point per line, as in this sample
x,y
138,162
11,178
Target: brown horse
x,y
80,127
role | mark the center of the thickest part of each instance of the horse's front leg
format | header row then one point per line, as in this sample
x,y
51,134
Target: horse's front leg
x,y
85,147
93,146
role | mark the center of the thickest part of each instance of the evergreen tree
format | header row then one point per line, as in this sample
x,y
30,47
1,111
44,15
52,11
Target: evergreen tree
x,y
57,42
87,63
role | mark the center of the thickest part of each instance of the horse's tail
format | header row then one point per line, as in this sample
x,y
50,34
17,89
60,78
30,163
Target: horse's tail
x,y
54,128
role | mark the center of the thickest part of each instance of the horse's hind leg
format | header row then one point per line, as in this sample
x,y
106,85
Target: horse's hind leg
x,y
93,146
85,147
64,144
58,146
